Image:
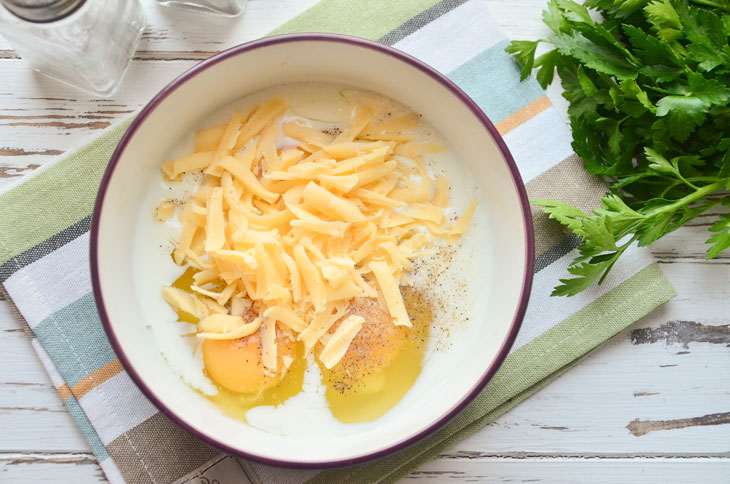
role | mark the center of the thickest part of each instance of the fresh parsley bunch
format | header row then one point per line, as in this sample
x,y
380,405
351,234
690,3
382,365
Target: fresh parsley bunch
x,y
649,93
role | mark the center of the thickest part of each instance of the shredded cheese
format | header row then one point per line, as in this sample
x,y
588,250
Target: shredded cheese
x,y
165,210
391,293
192,162
208,139
338,343
258,120
291,236
287,316
463,223
215,221
330,204
220,323
310,275
230,135
441,197
268,344
185,302
241,331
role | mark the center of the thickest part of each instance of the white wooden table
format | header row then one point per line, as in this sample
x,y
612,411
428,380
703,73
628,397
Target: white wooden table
x,y
651,405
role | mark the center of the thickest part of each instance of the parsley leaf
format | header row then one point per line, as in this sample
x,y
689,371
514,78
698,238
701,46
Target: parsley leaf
x,y
649,92
524,52
722,238
546,65
703,29
600,57
664,19
683,114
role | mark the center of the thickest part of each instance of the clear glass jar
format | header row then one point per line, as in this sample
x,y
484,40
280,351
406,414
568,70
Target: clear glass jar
x,y
85,43
229,8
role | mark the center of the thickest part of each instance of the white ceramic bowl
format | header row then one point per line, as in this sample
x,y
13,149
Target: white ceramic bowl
x,y
447,384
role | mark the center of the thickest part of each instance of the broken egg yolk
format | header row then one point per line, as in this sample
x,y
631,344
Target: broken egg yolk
x,y
382,362
372,350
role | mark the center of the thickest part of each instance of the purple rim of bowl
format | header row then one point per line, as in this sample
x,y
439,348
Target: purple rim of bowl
x,y
413,62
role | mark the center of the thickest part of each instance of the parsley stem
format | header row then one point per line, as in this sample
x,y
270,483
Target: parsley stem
x,y
620,250
684,180
692,197
709,3
702,178
668,189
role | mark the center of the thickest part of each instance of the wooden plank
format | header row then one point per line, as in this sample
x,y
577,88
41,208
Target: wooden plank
x,y
570,470
176,29
20,363
82,468
47,468
39,429
41,118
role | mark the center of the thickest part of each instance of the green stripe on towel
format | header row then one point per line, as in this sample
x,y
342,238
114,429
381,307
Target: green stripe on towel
x,y
370,19
69,186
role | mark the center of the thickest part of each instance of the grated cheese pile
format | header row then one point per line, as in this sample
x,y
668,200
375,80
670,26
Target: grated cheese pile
x,y
294,234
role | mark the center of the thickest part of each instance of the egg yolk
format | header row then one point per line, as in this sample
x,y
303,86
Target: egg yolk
x,y
373,349
237,364
382,362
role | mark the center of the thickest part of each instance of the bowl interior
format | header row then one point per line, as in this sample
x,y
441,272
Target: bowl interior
x,y
495,288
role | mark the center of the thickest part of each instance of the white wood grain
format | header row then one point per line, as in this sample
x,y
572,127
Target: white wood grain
x,y
47,468
574,471
174,29
41,118
575,430
81,468
52,468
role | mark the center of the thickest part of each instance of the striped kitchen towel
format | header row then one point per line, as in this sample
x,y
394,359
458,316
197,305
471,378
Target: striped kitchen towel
x,y
44,239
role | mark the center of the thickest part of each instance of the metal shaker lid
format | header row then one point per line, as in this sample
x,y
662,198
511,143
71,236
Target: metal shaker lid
x,y
42,10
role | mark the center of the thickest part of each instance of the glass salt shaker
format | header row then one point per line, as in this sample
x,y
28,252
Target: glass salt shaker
x,y
85,43
229,8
